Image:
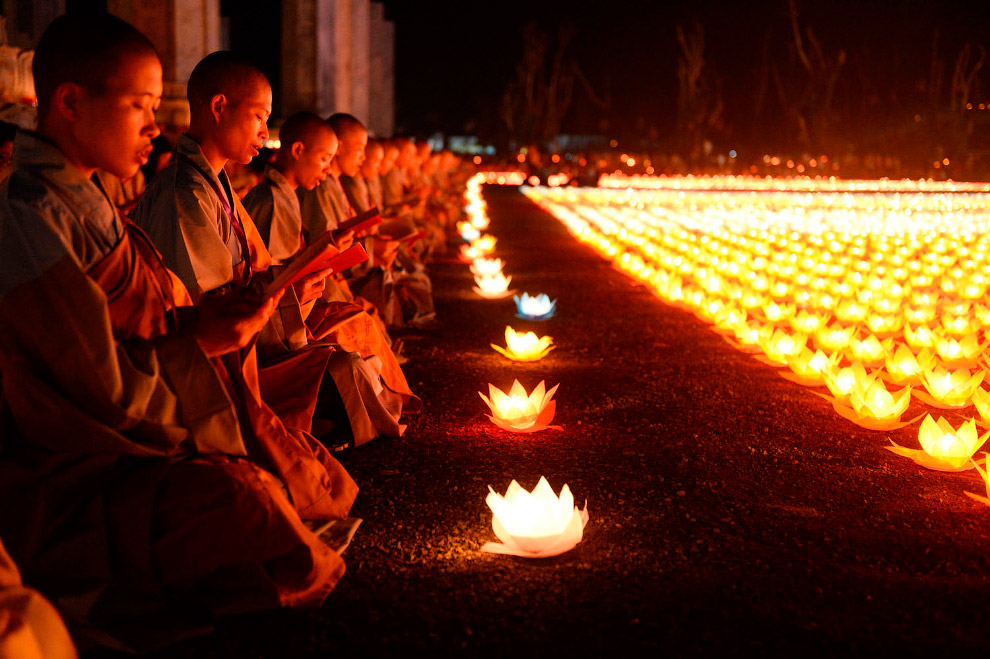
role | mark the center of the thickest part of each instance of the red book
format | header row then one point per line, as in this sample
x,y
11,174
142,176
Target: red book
x,y
316,257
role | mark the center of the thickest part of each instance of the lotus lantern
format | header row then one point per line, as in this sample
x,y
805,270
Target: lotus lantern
x,y
954,352
468,231
492,287
959,325
905,367
841,382
869,350
949,389
482,267
780,345
469,253
807,323
809,368
981,401
535,307
919,338
920,315
524,346
985,475
943,447
872,406
536,524
518,411
833,337
485,244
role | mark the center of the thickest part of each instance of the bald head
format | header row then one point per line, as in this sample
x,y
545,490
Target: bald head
x,y
345,124
352,138
308,146
303,127
223,73
84,48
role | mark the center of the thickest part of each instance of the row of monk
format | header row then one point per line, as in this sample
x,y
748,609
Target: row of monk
x,y
167,424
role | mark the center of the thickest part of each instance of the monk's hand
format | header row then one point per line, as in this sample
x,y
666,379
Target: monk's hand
x,y
229,322
344,240
311,287
385,251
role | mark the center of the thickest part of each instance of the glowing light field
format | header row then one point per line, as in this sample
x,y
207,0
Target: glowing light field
x,y
875,291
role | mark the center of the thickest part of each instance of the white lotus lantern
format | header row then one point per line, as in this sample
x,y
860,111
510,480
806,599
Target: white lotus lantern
x,y
536,524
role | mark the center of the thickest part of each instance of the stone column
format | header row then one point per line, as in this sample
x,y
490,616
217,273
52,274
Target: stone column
x,y
381,74
307,56
360,59
184,32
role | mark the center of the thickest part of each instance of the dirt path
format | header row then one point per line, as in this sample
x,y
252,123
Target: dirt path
x,y
730,510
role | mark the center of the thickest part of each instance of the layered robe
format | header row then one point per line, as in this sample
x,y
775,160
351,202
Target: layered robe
x,y
30,627
134,469
405,296
274,206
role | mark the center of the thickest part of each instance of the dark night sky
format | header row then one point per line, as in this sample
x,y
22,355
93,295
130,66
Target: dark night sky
x,y
453,59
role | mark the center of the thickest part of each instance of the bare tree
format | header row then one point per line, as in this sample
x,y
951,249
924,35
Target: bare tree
x,y
699,100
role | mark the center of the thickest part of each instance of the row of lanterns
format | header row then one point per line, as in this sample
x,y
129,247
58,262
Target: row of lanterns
x,y
537,523
874,296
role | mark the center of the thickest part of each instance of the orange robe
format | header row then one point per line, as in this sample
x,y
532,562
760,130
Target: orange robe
x,y
134,470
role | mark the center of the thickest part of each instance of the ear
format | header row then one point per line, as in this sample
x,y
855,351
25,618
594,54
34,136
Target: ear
x,y
66,98
218,105
296,150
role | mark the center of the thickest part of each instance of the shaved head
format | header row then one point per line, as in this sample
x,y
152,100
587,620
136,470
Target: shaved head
x,y
223,72
302,127
345,124
85,48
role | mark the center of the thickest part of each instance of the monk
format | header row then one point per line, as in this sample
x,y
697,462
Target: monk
x,y
139,466
308,146
401,288
206,235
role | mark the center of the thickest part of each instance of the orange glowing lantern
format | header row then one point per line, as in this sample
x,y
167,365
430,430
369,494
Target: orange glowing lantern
x,y
493,287
981,401
469,253
985,475
870,351
809,368
920,338
807,323
524,346
833,337
904,367
871,406
954,352
943,447
535,524
518,411
780,345
485,244
841,382
949,390
483,267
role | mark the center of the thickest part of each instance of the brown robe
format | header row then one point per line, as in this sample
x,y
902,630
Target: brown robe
x,y
134,470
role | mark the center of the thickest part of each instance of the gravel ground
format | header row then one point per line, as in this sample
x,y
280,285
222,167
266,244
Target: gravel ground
x,y
731,511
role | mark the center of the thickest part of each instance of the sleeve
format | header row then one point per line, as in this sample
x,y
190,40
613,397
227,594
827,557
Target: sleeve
x,y
210,262
73,386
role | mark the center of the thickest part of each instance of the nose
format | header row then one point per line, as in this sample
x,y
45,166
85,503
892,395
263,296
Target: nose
x,y
151,126
264,132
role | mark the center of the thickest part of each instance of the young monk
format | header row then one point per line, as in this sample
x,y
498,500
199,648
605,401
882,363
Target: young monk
x,y
308,146
208,237
138,464
403,291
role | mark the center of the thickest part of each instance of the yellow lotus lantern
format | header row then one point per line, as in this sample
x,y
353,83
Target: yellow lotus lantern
x,y
483,267
775,312
949,389
955,352
807,323
518,411
919,338
982,315
981,401
920,315
985,475
943,447
904,367
885,324
485,244
809,368
833,337
524,346
780,345
871,406
869,350
535,524
841,382
493,287
959,325
469,253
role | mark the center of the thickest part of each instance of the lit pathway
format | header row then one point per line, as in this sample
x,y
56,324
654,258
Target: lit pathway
x,y
730,509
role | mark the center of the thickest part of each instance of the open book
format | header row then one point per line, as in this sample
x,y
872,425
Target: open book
x,y
360,222
318,256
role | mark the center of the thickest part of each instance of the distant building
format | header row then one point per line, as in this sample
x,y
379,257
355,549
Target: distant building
x,y
323,55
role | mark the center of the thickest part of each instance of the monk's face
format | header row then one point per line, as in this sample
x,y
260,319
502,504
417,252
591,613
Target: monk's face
x,y
372,162
113,129
242,123
388,162
350,153
313,164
